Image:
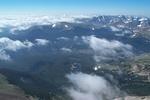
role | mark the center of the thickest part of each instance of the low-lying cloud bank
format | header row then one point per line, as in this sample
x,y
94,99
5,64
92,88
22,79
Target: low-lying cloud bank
x,y
105,49
24,22
7,44
90,87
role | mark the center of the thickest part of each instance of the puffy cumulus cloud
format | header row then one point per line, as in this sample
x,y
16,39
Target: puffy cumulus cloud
x,y
90,87
41,42
13,45
7,44
105,49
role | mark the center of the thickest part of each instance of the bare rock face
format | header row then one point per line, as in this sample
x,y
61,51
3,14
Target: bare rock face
x,y
9,91
134,98
4,96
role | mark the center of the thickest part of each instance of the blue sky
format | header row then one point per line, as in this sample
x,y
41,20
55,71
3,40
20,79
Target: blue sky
x,y
108,7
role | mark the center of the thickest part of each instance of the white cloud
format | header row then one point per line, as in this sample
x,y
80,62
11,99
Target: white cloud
x,y
7,44
90,87
28,44
63,38
105,49
66,49
11,45
42,42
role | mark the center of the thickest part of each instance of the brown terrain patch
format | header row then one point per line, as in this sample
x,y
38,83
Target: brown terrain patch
x,y
4,96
